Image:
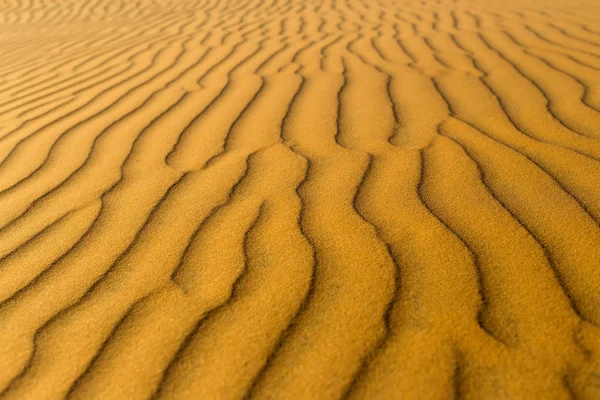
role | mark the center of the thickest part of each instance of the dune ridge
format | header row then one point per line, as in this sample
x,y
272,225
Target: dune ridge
x,y
302,199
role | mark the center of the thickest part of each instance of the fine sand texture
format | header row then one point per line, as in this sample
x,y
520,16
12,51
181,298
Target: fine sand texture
x,y
299,199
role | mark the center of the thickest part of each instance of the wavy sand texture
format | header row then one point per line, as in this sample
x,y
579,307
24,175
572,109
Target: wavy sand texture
x,y
299,199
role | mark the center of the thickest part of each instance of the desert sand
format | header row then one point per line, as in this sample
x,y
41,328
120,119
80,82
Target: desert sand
x,y
299,199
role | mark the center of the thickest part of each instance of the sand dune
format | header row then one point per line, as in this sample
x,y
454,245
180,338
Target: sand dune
x,y
303,199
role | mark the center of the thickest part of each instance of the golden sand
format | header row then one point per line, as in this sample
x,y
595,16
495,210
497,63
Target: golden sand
x,y
299,199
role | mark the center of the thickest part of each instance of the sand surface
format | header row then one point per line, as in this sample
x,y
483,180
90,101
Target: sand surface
x,y
299,199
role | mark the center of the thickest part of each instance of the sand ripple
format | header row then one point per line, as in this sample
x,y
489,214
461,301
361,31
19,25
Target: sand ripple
x,y
272,199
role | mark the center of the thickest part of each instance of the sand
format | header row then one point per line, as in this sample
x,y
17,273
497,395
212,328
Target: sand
x,y
301,199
